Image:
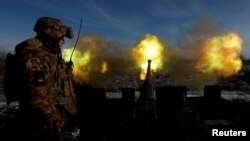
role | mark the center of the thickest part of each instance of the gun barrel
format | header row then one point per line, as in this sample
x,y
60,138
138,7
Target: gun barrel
x,y
145,109
148,71
147,90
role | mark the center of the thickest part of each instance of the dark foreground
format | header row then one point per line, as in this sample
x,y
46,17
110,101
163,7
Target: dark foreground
x,y
178,117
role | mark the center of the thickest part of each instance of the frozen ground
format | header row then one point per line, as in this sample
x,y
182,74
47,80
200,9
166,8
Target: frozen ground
x,y
8,111
228,95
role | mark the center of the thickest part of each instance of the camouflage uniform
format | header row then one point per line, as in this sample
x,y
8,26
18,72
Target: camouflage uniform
x,y
47,97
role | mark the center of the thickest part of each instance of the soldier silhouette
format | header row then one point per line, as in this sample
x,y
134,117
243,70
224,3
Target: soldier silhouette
x,y
46,98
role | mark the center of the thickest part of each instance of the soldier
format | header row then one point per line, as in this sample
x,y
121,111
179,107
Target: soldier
x,y
46,100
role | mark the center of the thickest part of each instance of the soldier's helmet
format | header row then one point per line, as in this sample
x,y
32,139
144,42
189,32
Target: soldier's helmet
x,y
52,28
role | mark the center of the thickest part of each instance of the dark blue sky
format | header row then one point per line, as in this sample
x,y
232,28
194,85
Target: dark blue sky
x,y
127,20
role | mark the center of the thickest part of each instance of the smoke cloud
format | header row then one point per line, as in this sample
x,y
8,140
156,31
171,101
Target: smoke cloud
x,y
92,52
188,47
179,60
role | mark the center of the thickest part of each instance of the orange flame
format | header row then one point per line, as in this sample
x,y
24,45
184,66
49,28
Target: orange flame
x,y
81,62
104,67
86,58
221,55
149,48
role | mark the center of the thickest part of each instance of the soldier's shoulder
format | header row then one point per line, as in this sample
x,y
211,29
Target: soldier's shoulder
x,y
36,59
31,44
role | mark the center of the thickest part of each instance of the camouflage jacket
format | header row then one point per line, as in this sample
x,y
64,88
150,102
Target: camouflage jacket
x,y
47,83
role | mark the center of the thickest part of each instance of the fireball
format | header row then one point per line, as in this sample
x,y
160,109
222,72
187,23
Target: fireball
x,y
220,55
80,60
148,48
86,58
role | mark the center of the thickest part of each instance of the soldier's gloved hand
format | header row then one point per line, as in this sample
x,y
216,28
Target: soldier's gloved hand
x,y
69,66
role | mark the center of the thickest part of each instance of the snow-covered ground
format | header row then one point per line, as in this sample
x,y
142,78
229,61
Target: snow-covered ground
x,y
9,110
228,95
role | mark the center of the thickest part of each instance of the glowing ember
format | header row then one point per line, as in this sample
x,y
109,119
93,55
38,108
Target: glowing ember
x,y
149,48
221,55
104,67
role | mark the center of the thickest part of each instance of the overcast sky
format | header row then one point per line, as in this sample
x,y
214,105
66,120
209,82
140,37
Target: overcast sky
x,y
127,20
